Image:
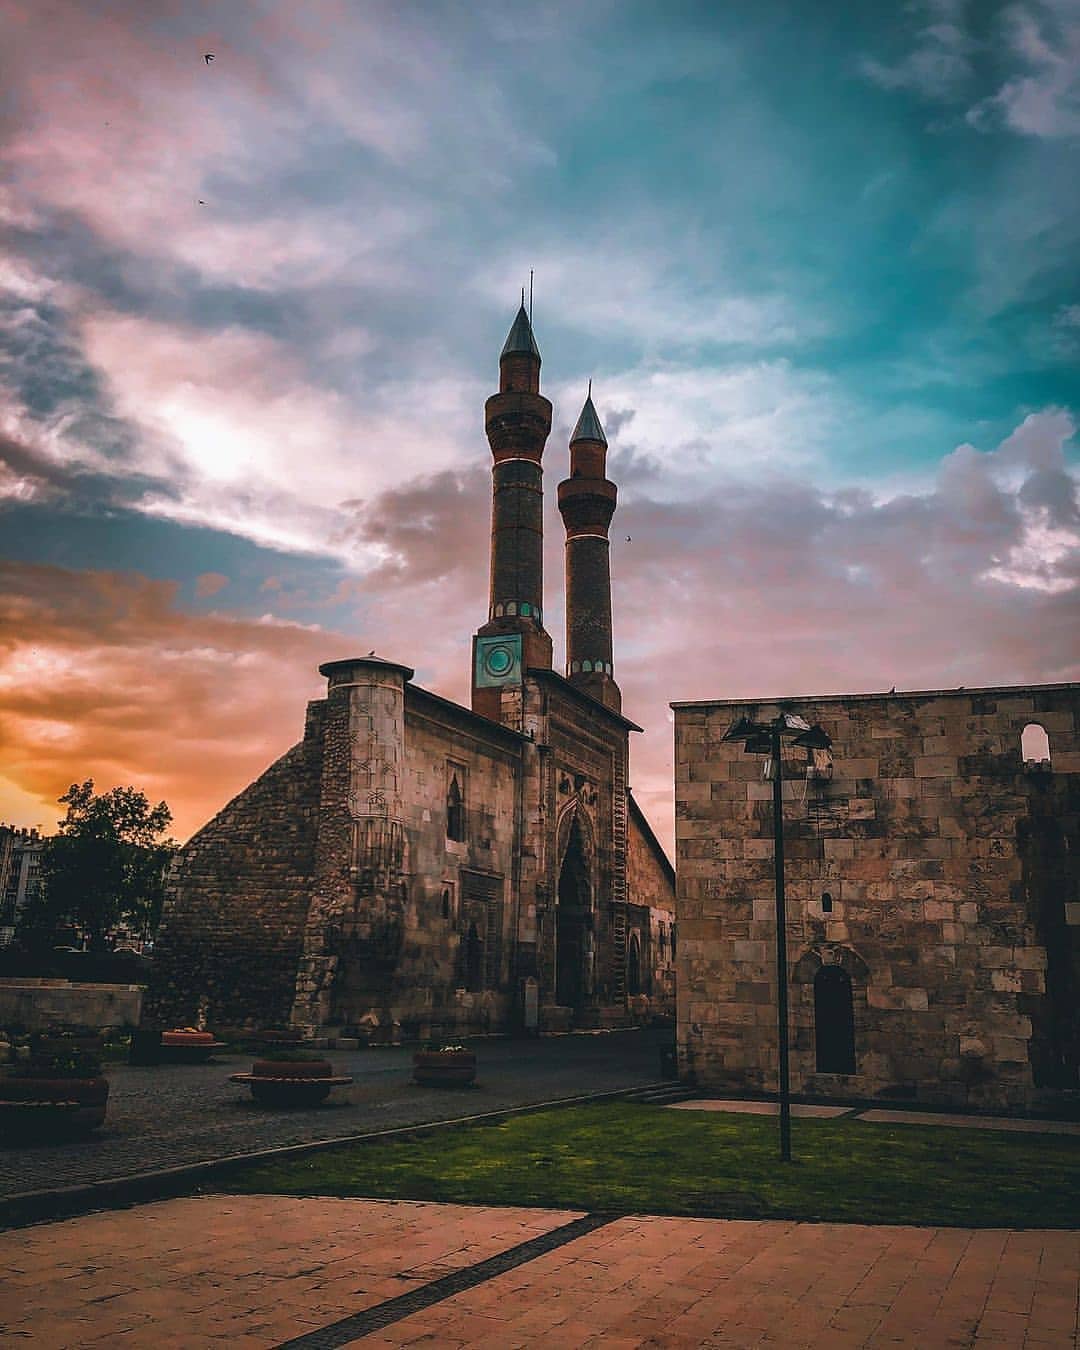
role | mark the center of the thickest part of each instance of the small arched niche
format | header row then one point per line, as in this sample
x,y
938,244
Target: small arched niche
x,y
834,1021
633,966
1035,744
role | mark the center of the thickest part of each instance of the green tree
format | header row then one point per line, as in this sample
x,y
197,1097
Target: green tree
x,y
107,864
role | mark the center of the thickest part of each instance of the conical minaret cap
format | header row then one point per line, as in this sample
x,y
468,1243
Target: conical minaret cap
x,y
520,340
588,425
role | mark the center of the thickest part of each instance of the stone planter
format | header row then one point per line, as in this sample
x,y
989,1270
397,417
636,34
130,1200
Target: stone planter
x,y
444,1068
51,1108
185,1046
275,1082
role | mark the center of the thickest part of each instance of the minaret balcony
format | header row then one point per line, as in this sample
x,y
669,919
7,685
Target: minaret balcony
x,y
586,503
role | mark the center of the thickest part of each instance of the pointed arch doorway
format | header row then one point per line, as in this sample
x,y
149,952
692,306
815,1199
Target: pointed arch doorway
x,y
570,922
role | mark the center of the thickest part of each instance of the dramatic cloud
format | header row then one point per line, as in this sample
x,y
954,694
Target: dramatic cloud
x,y
819,262
103,675
755,589
1044,99
938,65
1036,44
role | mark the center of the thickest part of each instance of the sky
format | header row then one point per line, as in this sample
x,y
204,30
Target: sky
x,y
821,262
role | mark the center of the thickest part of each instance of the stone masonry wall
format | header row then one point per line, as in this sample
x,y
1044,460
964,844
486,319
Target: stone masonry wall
x,y
933,867
233,922
651,897
587,756
453,884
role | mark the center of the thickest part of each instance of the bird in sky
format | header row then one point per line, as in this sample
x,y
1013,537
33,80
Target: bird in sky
x,y
628,539
201,202
208,57
372,652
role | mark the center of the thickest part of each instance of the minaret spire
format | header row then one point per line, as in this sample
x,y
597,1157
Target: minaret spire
x,y
587,502
517,420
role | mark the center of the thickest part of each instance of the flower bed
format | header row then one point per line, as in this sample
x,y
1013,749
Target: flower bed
x,y
291,1078
444,1066
187,1045
57,1092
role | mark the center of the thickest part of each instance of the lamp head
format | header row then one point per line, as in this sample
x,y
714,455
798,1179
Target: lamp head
x,y
740,730
814,739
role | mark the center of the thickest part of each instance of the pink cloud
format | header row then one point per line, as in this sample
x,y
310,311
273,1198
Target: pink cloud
x,y
752,591
103,675
210,583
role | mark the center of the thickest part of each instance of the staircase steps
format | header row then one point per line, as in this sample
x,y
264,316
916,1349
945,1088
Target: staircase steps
x,y
664,1096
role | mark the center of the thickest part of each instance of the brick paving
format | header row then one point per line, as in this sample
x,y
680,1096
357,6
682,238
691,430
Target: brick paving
x,y
949,1119
1013,1123
743,1108
255,1271
168,1116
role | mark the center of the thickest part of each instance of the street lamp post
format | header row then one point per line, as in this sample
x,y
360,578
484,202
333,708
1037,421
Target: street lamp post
x,y
767,737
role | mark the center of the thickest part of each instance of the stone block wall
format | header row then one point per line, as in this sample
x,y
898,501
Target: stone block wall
x,y
454,884
232,929
37,1005
332,896
650,889
933,867
585,789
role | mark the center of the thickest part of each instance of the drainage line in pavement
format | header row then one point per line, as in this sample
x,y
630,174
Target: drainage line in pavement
x,y
416,1300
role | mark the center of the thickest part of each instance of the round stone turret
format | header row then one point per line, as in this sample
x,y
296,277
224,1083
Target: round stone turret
x,y
517,421
587,502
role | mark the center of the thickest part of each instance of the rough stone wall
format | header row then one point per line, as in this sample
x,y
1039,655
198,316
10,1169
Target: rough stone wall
x,y
588,776
330,896
951,875
233,921
354,932
651,895
36,1004
430,995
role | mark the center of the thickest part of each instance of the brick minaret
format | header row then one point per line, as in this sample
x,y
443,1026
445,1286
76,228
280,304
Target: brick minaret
x,y
587,503
517,420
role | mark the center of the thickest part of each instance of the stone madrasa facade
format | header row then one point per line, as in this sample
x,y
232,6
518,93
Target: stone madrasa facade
x,y
417,867
933,909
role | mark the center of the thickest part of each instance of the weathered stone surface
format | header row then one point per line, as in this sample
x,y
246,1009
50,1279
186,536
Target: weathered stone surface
x,y
232,928
330,895
952,881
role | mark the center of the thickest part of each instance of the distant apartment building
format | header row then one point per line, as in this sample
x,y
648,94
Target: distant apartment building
x,y
20,874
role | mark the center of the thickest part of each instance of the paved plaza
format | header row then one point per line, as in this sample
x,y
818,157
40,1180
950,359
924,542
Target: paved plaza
x,y
260,1271
169,1116
877,1116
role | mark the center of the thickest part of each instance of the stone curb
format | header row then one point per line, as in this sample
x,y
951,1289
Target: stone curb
x,y
65,1202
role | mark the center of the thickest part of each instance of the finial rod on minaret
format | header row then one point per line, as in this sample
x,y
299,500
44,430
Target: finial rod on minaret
x,y
530,293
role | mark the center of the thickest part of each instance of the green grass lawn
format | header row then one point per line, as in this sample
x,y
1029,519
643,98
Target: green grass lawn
x,y
624,1157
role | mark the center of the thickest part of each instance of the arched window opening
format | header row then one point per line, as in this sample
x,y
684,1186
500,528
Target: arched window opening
x,y
663,942
633,967
474,961
673,942
834,1021
1035,744
572,914
826,903
446,902
455,812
